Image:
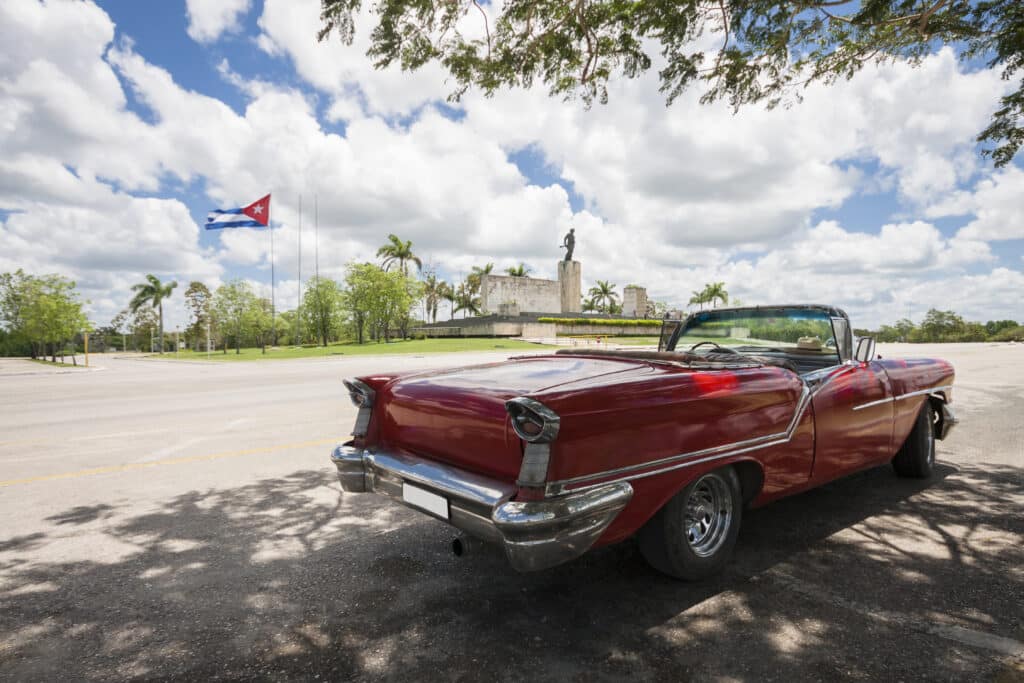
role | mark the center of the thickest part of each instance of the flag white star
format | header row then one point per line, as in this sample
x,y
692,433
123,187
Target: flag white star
x,y
257,209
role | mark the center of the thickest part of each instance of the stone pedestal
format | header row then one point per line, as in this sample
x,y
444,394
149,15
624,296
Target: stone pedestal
x,y
570,286
634,301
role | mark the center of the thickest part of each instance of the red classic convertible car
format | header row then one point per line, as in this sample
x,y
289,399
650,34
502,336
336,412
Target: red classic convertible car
x,y
551,455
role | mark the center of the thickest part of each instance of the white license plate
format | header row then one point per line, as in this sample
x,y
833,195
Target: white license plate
x,y
425,500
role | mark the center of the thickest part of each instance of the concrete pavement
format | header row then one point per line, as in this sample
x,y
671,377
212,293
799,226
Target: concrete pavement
x,y
169,520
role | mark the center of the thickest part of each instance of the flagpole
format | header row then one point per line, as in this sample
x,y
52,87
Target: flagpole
x,y
273,302
298,308
316,266
316,239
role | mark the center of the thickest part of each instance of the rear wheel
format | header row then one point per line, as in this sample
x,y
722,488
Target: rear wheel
x,y
916,458
693,535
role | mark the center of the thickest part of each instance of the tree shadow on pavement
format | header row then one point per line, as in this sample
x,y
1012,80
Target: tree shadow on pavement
x,y
288,578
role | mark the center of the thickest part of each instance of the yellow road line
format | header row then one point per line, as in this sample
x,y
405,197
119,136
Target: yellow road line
x,y
127,467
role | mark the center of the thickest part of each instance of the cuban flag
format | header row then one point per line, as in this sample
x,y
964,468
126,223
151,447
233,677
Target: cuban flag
x,y
256,215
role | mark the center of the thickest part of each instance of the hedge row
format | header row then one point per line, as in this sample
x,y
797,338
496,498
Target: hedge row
x,y
610,322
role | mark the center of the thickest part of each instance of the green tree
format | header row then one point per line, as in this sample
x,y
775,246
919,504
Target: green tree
x,y
447,293
259,321
466,300
378,302
398,252
360,296
284,322
15,291
604,296
766,51
321,309
433,293
402,294
522,270
53,313
938,326
233,304
904,328
475,279
656,309
1014,334
111,334
994,327
152,292
699,298
714,292
143,326
198,300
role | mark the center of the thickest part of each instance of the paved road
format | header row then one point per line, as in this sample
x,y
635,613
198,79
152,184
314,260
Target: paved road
x,y
168,520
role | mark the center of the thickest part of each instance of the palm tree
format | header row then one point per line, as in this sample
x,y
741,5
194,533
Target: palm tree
x,y
152,291
475,279
432,294
603,295
522,270
699,298
447,292
589,305
466,301
400,252
714,292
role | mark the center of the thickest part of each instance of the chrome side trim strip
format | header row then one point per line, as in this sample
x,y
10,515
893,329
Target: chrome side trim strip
x,y
910,394
933,390
871,404
672,462
748,444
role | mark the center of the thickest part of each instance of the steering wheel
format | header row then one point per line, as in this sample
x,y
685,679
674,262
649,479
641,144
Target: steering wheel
x,y
719,347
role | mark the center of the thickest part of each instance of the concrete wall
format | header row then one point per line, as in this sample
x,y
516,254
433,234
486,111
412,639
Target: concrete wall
x,y
528,293
634,301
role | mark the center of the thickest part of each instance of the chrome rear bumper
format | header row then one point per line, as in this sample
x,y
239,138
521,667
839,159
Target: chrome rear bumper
x,y
535,534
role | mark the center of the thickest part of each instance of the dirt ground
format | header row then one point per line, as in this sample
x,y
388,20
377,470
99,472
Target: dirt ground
x,y
183,521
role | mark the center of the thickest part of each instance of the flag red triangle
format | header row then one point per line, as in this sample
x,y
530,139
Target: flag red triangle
x,y
259,210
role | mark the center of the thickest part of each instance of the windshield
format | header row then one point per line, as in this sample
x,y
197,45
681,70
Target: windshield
x,y
799,331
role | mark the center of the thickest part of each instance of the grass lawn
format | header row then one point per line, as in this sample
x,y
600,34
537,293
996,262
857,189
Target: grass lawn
x,y
368,349
58,364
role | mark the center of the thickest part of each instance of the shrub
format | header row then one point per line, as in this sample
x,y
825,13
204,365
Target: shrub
x,y
608,322
1012,334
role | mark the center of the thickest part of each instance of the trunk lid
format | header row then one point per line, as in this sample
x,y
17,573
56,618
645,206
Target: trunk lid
x,y
458,416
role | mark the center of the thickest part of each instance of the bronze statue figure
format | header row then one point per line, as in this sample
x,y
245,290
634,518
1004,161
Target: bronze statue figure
x,y
569,243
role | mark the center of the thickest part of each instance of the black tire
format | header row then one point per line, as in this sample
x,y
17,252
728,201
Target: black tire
x,y
916,458
680,544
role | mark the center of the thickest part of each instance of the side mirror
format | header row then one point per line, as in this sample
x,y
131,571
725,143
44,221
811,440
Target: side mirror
x,y
865,349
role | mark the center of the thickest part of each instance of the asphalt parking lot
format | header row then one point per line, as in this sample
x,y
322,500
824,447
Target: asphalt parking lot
x,y
182,520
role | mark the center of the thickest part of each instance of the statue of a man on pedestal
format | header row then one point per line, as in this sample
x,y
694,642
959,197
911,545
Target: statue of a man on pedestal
x,y
569,243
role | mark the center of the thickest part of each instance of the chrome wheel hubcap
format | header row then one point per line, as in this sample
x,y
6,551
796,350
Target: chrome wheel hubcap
x,y
708,515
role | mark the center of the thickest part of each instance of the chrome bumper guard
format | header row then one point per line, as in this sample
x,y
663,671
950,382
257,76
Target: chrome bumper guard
x,y
535,534
947,420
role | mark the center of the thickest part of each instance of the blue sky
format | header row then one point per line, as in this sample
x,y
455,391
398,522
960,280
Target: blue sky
x,y
871,195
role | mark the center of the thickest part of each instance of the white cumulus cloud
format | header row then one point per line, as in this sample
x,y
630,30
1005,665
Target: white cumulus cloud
x,y
208,19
